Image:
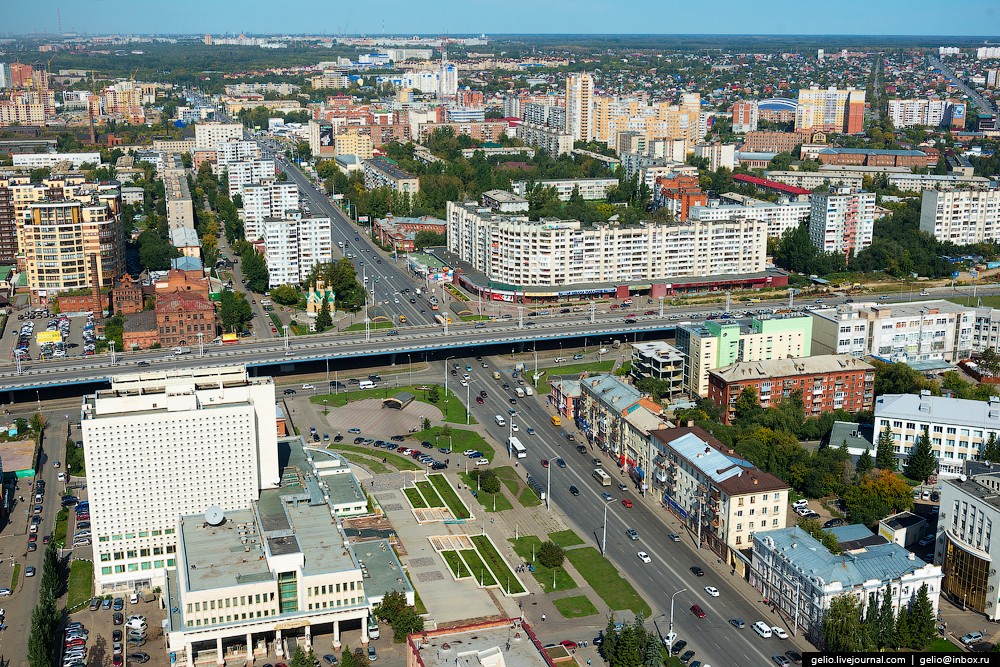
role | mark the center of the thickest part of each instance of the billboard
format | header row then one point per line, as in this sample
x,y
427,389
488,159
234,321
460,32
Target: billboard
x,y
48,337
325,136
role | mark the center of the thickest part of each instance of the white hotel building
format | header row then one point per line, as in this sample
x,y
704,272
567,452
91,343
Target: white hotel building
x,y
513,250
958,428
163,444
963,217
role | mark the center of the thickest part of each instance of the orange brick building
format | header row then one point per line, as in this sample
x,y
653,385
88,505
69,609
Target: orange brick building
x,y
679,192
827,382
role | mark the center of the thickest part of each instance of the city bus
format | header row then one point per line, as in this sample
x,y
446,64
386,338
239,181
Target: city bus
x,y
515,447
602,477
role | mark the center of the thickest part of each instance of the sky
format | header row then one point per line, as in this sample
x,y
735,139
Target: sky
x,y
372,17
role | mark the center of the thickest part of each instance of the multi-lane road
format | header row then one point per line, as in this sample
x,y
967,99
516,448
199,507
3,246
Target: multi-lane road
x,y
981,102
713,638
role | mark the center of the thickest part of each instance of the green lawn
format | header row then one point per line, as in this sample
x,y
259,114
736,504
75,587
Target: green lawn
x,y
450,405
570,370
510,478
449,496
460,440
395,460
74,461
455,564
59,533
940,645
429,494
988,301
603,577
523,547
565,538
360,326
80,586
376,466
414,497
15,576
528,498
480,572
497,563
418,604
491,502
576,606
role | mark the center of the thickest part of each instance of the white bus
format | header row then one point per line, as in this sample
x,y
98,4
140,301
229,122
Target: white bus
x,y
602,477
514,445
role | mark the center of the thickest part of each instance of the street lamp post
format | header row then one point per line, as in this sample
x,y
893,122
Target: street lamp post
x,y
446,378
604,529
114,361
670,629
201,344
409,362
468,406
284,329
548,492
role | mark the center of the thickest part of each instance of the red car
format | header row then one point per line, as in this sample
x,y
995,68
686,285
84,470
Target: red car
x,y
545,463
650,312
697,611
273,330
627,503
568,643
479,399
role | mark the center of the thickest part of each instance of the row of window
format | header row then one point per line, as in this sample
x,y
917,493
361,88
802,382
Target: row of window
x,y
141,533
135,567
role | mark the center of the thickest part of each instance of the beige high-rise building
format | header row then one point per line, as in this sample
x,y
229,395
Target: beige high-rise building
x,y
580,106
830,110
615,117
354,143
58,238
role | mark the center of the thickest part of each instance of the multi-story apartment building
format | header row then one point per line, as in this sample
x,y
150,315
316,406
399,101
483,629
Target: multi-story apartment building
x,y
801,577
353,142
184,319
294,246
964,548
962,217
746,115
580,106
830,110
810,180
772,142
236,150
925,112
921,182
288,576
208,136
588,188
381,173
180,207
957,428
39,160
919,330
875,157
718,154
718,496
171,146
8,224
501,201
544,115
985,333
242,174
679,193
842,221
516,251
124,99
660,361
780,216
266,200
618,418
616,118
553,141
840,330
165,444
70,245
718,343
27,107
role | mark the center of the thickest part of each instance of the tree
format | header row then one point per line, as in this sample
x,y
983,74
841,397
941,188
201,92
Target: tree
x,y
921,620
747,408
286,295
300,659
434,393
347,658
922,461
489,482
255,271
885,624
864,464
902,635
234,310
843,631
876,495
551,555
323,319
989,361
990,451
609,647
885,452
429,239
899,379
828,539
40,174
403,618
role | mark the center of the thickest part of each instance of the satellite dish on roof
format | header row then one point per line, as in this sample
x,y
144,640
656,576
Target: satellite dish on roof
x,y
214,516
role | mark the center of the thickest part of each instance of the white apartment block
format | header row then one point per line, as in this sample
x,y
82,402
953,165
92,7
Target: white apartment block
x,y
958,428
513,250
381,173
552,141
918,330
918,112
589,188
545,115
963,217
719,155
39,160
919,182
230,152
780,216
266,200
208,136
840,330
162,444
986,330
802,577
294,246
580,106
242,174
810,180
842,221
171,146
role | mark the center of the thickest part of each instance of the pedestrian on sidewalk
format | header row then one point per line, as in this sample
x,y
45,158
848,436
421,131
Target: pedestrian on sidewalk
x,y
543,617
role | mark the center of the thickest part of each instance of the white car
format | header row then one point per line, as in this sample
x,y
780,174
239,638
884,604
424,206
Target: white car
x,y
482,462
779,632
468,452
513,427
644,557
669,639
712,590
133,599
308,387
465,383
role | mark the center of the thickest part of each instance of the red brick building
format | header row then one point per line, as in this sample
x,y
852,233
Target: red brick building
x,y
400,233
860,157
827,383
772,142
181,317
679,192
126,296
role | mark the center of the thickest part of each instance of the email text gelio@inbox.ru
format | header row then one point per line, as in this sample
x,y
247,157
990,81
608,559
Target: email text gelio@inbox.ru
x,y
910,659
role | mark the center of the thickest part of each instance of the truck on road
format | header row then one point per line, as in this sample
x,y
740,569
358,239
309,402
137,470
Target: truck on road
x,y
182,350
519,392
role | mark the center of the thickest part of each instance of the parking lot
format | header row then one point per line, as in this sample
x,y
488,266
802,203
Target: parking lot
x,y
41,335
115,638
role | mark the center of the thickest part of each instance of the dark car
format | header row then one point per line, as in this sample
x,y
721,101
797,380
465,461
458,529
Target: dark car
x,y
512,401
737,623
697,611
678,647
106,604
575,491
697,571
289,392
138,657
833,523
358,440
330,659
794,656
560,463
116,635
338,438
119,604
397,438
686,657
118,618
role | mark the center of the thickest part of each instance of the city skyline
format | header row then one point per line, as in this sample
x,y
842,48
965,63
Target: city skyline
x,y
782,17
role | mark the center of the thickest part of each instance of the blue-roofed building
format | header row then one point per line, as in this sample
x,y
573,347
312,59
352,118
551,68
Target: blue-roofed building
x,y
801,577
721,497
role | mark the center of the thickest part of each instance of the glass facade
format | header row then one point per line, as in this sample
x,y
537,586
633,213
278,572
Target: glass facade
x,y
289,590
965,578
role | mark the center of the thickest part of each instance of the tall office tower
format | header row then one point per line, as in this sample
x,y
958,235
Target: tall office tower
x,y
580,106
842,220
831,110
163,444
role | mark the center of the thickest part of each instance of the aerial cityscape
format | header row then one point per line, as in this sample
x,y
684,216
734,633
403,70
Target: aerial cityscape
x,y
429,337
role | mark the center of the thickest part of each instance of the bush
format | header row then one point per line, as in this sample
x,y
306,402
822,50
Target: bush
x,y
286,295
551,555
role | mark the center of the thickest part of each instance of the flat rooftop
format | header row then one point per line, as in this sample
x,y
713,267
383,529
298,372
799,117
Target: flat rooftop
x,y
217,557
381,570
498,645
